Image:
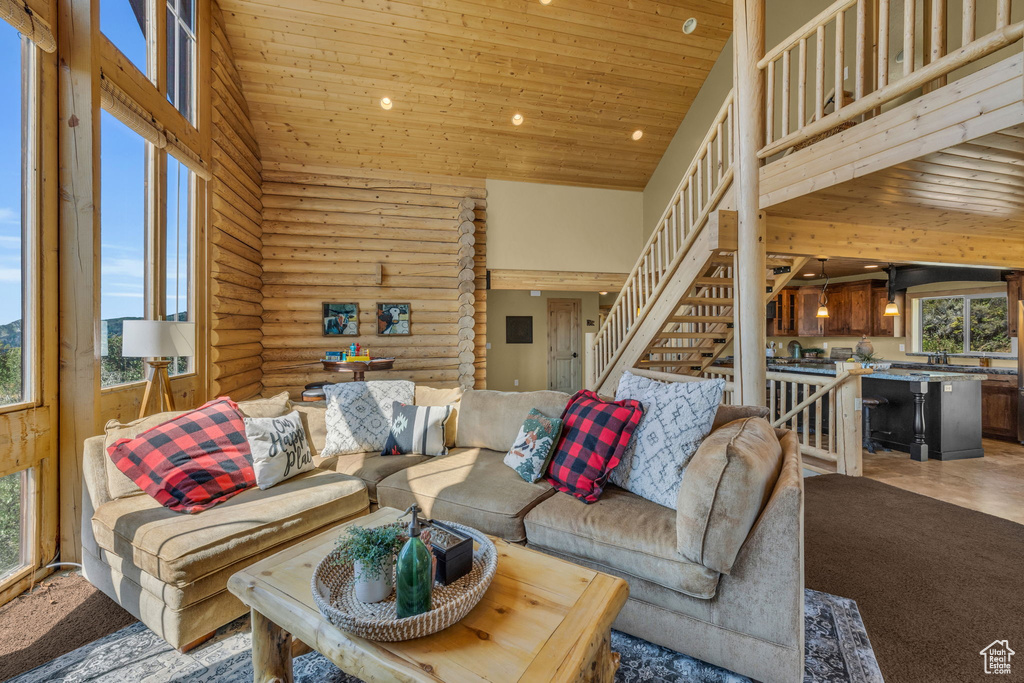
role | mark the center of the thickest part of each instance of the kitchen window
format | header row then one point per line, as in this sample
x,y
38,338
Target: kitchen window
x,y
971,323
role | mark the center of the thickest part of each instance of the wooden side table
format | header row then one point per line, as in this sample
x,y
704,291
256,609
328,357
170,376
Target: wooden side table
x,y
359,368
541,619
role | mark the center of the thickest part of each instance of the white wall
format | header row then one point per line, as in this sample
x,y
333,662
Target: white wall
x,y
533,226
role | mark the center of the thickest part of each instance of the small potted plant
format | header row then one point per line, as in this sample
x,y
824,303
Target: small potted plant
x,y
813,352
372,550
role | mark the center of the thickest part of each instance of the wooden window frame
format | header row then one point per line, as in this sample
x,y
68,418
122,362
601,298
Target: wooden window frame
x,y
916,328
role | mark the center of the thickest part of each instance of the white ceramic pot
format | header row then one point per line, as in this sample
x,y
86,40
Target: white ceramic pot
x,y
375,590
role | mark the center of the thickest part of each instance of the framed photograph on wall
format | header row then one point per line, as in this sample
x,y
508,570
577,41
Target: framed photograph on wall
x,y
340,320
393,320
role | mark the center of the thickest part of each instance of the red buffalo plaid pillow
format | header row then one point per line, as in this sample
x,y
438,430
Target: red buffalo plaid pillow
x,y
192,462
595,434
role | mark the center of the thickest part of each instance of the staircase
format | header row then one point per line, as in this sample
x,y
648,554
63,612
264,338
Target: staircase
x,y
675,311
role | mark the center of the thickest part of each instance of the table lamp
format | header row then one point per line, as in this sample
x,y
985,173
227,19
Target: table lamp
x,y
158,341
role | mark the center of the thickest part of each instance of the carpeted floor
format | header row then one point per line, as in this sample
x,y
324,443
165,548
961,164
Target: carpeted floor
x,y
61,614
935,583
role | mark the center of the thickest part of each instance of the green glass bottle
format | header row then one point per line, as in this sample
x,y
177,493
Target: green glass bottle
x,y
414,575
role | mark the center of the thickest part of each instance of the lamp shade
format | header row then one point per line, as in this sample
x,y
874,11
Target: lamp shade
x,y
158,338
891,310
822,311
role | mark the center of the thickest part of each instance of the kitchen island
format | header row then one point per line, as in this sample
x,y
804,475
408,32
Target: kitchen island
x,y
927,413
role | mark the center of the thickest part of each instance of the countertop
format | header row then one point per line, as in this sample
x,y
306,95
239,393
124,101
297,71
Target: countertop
x,y
925,367
897,374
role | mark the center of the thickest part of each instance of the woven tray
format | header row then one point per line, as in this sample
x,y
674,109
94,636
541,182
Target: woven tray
x,y
334,592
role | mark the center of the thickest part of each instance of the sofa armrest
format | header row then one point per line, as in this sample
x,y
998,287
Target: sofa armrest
x,y
94,487
764,593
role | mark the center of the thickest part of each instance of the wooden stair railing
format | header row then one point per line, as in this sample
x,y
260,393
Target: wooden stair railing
x,y
704,184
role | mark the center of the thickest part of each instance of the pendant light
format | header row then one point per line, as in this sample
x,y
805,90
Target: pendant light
x,y
823,299
891,309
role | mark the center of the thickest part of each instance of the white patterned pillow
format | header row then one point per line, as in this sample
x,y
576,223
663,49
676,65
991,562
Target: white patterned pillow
x,y
677,417
359,415
279,448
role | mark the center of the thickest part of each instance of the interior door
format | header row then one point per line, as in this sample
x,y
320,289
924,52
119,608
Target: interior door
x,y
565,362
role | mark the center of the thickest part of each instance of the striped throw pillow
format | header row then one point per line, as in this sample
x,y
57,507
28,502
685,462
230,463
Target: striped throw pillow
x,y
417,430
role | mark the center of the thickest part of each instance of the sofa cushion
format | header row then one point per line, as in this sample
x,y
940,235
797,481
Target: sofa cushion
x,y
314,419
677,417
274,406
118,483
431,396
595,434
371,468
471,486
180,549
727,484
491,419
192,462
279,448
624,532
727,414
359,414
417,430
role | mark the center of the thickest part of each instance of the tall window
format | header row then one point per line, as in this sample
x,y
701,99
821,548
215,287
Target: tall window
x,y
178,250
975,323
181,56
124,22
13,304
12,523
124,230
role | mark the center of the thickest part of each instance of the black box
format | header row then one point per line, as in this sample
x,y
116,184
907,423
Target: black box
x,y
454,553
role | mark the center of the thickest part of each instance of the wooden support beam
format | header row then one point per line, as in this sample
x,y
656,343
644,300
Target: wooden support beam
x,y
748,43
884,243
78,46
550,280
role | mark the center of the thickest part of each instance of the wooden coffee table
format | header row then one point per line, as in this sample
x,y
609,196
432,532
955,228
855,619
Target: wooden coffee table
x,y
542,619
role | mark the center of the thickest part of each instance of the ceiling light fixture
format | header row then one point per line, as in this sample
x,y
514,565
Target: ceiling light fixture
x,y
690,25
823,299
871,266
808,274
637,134
517,120
891,309
386,103
545,2
603,293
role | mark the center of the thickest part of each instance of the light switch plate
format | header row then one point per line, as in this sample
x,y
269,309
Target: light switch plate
x,y
824,345
487,345
903,347
515,383
534,292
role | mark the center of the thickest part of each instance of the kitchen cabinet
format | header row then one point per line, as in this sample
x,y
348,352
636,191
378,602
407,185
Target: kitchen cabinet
x,y
1014,291
837,324
881,325
808,325
787,306
858,308
999,407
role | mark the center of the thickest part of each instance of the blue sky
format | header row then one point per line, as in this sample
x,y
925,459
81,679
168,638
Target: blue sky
x,y
122,196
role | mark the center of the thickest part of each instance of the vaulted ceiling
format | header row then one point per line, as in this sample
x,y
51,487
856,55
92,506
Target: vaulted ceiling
x,y
584,75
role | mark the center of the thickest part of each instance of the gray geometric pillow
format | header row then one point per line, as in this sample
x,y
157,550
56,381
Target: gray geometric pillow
x,y
359,414
677,417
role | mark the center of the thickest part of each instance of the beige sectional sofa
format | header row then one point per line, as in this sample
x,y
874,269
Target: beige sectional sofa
x,y
749,620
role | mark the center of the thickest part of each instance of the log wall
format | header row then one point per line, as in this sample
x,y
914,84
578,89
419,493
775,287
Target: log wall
x,y
332,236
235,233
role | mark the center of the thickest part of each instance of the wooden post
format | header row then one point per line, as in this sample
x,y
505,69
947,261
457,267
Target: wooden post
x,y
748,34
850,457
271,651
80,250
590,359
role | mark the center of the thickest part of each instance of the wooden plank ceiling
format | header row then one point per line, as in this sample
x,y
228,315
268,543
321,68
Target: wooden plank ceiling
x,y
584,74
971,189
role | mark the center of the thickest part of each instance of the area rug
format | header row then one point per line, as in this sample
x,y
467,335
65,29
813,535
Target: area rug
x,y
935,583
837,650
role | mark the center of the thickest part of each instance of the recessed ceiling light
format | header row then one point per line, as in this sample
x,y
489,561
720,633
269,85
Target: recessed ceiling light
x,y
386,103
603,293
690,25
637,134
872,266
517,120
545,2
809,274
